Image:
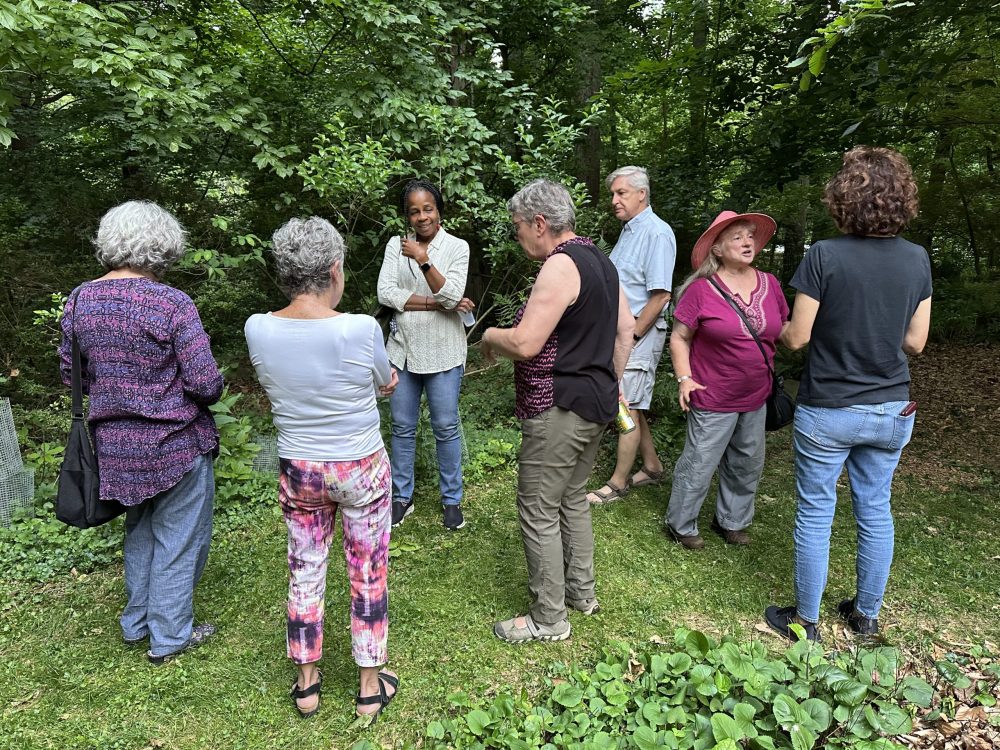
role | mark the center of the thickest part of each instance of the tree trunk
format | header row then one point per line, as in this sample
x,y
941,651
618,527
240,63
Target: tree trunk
x,y
930,201
795,234
976,253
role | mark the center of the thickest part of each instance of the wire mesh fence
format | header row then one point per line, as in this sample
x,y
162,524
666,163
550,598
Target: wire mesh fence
x,y
17,483
266,460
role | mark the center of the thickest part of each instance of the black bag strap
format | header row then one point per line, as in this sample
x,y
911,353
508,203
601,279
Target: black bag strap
x,y
77,370
732,304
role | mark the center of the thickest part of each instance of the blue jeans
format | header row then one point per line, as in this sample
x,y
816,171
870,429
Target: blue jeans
x,y
166,547
869,439
442,400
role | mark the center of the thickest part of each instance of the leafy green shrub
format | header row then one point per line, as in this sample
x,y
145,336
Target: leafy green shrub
x,y
701,695
38,548
966,311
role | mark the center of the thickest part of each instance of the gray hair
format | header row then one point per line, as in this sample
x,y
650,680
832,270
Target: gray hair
x,y
548,199
637,177
139,235
304,250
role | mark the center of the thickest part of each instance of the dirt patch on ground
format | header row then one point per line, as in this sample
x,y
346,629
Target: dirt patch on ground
x,y
957,390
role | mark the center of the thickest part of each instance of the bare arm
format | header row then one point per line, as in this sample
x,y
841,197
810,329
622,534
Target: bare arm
x,y
797,332
680,356
555,289
915,337
623,336
658,299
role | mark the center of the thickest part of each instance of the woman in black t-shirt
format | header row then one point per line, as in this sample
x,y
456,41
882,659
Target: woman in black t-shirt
x,y
863,303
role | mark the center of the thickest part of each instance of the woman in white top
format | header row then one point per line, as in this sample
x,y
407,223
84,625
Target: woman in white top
x,y
321,370
423,279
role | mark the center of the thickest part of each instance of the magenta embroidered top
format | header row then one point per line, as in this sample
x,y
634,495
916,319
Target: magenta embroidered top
x,y
724,356
149,370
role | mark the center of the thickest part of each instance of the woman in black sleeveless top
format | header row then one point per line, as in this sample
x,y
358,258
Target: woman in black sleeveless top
x,y
570,343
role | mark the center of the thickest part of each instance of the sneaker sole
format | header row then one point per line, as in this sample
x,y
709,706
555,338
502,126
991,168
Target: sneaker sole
x,y
406,512
456,528
542,638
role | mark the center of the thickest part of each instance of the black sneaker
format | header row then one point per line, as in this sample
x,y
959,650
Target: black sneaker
x,y
781,618
400,510
453,518
855,620
199,634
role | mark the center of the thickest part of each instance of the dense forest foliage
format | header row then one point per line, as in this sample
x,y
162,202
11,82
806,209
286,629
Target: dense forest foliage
x,y
238,114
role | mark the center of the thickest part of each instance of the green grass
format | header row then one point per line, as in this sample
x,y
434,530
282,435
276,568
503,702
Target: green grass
x,y
66,680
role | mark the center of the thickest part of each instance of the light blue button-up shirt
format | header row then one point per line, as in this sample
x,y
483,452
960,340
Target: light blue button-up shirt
x,y
644,256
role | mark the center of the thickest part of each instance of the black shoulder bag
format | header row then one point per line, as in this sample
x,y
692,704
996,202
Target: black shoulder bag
x,y
780,406
78,499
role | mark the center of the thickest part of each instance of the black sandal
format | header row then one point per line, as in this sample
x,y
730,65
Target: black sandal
x,y
298,694
383,699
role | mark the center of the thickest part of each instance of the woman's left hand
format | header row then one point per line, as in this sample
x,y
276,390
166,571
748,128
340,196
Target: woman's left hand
x,y
386,390
465,305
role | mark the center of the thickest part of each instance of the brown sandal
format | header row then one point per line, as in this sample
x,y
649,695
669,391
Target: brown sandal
x,y
652,477
614,494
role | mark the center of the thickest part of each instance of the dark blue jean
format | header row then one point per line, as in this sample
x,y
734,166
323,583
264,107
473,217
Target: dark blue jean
x,y
868,439
166,547
442,390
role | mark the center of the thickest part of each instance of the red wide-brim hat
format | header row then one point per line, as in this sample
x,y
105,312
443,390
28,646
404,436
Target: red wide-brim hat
x,y
763,230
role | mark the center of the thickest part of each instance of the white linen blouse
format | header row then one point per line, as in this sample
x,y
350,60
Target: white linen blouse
x,y
425,341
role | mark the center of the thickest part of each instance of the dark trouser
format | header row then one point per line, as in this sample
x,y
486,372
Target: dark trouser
x,y
558,449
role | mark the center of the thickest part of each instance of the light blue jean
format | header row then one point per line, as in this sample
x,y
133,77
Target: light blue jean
x,y
166,547
868,439
442,400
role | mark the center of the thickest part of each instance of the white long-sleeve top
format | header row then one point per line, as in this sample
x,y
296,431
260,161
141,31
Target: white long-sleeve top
x,y
426,341
320,376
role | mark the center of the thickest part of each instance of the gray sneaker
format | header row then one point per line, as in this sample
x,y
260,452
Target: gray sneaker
x,y
199,634
523,629
587,606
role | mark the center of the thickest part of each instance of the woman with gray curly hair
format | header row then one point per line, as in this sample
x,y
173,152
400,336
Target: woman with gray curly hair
x,y
151,377
322,370
569,343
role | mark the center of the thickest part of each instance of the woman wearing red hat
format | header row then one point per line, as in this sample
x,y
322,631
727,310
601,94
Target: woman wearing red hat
x,y
723,378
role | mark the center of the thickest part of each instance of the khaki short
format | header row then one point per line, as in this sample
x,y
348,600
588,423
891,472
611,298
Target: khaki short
x,y
640,372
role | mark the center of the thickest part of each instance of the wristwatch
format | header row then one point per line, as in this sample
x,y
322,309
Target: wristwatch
x,y
682,378
425,267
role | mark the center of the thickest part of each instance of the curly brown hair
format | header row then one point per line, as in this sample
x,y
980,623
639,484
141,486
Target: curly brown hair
x,y
874,192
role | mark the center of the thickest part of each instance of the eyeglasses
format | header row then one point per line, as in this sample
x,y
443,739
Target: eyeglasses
x,y
515,227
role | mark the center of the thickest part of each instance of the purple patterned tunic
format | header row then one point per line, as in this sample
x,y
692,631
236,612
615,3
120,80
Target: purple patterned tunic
x,y
149,370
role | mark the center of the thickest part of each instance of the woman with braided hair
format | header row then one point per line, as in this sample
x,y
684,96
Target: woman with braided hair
x,y
423,279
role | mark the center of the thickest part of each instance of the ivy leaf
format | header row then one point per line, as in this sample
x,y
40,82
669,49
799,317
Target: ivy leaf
x,y
893,719
725,727
849,692
696,643
819,712
477,720
803,738
645,738
744,713
567,695
953,674
917,691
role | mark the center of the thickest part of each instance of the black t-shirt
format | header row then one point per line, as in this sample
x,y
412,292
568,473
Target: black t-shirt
x,y
868,289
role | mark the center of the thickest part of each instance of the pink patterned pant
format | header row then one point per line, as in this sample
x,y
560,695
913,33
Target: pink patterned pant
x,y
310,493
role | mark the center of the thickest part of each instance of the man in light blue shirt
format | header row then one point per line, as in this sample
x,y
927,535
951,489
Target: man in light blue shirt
x,y
644,257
